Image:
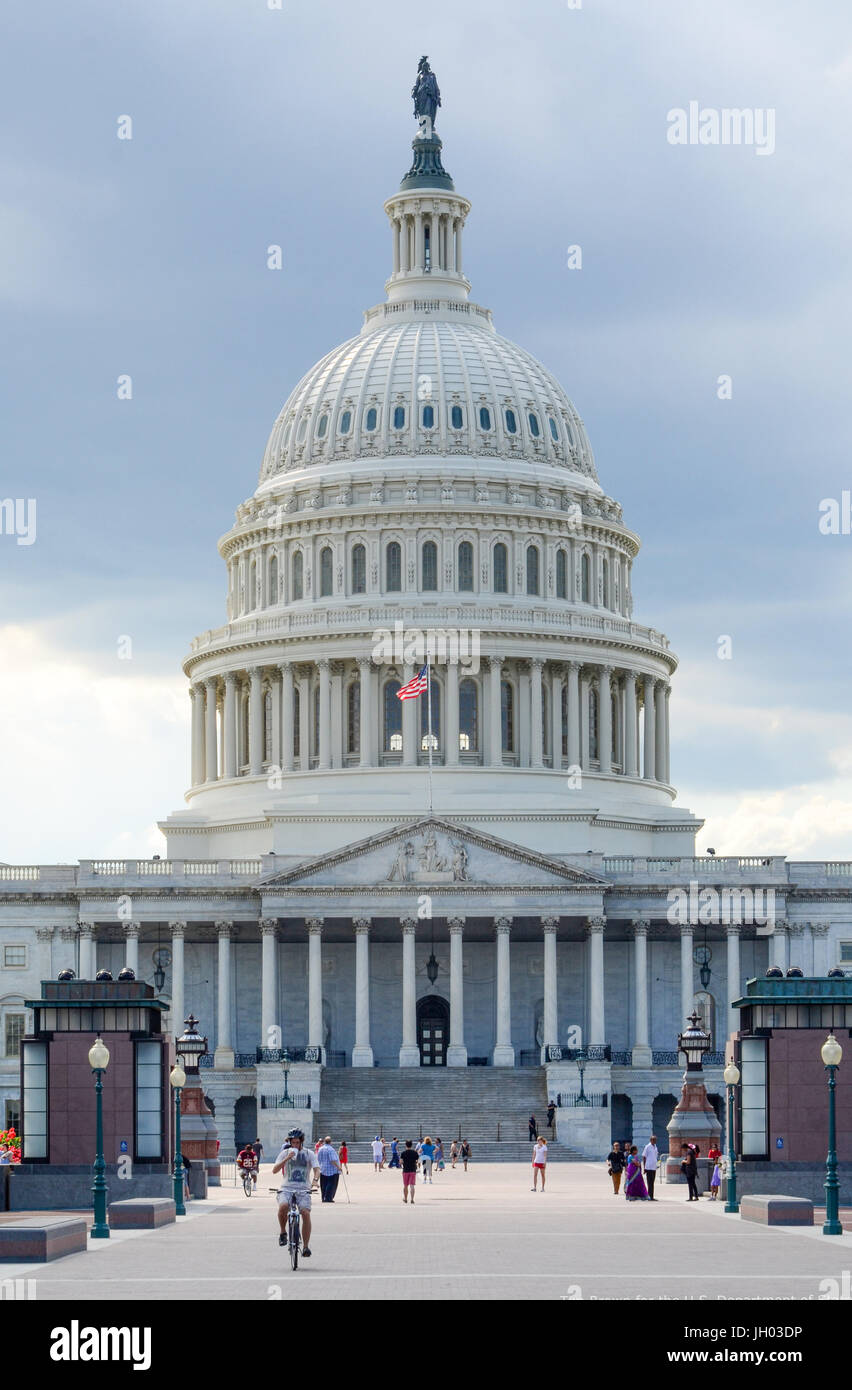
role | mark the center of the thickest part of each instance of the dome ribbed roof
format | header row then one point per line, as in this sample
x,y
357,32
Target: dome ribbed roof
x,y
414,384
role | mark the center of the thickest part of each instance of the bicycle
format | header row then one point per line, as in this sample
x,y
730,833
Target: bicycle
x,y
249,1180
294,1227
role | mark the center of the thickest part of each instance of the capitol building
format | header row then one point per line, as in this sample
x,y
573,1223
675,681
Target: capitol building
x,y
481,877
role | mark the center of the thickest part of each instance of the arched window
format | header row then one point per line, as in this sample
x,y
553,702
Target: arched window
x,y
242,592
511,422
484,418
429,566
593,724
535,428
507,715
322,427
428,417
468,717
436,719
561,574
297,722
359,569
303,429
297,585
605,582
345,422
532,569
456,417
585,579
372,419
353,718
553,430
392,721
326,571
501,569
399,417
466,567
393,568
272,595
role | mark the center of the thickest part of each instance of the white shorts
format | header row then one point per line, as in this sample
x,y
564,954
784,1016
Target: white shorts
x,y
302,1195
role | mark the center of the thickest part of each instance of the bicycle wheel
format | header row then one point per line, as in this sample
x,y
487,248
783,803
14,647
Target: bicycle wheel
x,y
293,1242
247,1184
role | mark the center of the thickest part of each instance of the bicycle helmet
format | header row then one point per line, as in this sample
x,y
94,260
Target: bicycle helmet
x,y
297,1134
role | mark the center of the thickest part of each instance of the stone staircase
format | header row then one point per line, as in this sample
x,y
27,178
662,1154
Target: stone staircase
x,y
490,1107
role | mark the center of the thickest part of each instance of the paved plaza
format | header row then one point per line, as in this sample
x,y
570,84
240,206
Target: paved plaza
x,y
476,1235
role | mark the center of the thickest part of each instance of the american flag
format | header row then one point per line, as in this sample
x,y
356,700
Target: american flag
x,y
413,688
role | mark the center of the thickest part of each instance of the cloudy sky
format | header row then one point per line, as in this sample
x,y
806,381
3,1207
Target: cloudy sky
x,y
254,125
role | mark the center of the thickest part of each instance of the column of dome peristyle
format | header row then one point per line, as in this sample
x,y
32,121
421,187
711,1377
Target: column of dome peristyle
x,y
426,228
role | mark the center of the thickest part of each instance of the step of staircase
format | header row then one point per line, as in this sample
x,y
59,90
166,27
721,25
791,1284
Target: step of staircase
x,y
485,1152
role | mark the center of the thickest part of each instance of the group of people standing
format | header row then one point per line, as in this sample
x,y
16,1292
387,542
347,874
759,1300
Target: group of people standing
x,y
641,1173
429,1152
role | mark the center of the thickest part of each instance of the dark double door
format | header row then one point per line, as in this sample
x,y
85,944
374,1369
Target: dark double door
x,y
433,1030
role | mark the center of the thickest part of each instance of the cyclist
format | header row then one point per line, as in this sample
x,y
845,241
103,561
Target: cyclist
x,y
301,1171
247,1162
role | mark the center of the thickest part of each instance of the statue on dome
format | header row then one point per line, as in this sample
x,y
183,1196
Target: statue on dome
x,y
427,98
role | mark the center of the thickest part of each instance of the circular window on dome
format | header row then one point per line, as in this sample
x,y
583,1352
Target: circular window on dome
x,y
399,417
457,417
322,427
535,428
372,418
511,422
553,430
484,418
428,417
345,422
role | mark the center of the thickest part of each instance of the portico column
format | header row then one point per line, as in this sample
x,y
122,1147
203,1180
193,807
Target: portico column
x,y
667,774
551,1022
256,749
196,696
269,1020
631,764
536,730
556,716
819,931
211,751
315,1030
456,1052
230,768
88,951
287,717
605,719
795,933
660,759
687,986
223,1058
131,946
732,931
362,1052
44,936
459,225
504,1053
495,713
641,1046
650,758
779,945
396,245
573,714
596,927
451,716
324,739
365,674
410,713
409,1052
177,930
275,714
404,235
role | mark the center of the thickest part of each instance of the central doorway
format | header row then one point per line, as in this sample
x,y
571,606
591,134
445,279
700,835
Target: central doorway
x,y
433,1030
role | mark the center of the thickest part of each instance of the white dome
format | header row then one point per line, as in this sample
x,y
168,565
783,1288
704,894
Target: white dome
x,y
428,379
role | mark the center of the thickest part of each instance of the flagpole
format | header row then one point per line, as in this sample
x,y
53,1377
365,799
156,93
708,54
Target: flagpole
x,y
429,723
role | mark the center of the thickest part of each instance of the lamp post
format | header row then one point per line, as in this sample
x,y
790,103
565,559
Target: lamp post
x,y
285,1067
831,1053
99,1061
177,1080
731,1079
581,1067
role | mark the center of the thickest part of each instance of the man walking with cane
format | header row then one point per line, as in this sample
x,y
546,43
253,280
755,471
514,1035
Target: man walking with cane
x,y
329,1166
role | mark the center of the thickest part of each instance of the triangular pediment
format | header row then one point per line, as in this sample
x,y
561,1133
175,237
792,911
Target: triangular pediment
x,y
433,852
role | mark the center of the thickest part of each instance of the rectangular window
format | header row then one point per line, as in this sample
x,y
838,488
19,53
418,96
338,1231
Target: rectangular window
x,y
753,1098
15,957
149,1100
13,1115
846,951
14,1030
34,1122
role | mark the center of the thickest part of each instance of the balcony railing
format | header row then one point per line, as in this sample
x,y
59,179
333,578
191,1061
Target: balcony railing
x,y
567,1100
285,1103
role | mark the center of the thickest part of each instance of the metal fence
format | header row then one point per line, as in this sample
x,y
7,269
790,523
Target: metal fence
x,y
285,1103
567,1099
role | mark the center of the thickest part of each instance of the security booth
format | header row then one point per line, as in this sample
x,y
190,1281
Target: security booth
x,y
781,1101
58,1103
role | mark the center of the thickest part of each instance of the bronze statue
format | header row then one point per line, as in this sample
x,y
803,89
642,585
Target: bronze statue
x,y
427,97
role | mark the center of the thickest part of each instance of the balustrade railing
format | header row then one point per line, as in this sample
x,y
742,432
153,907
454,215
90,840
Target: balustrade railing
x,y
282,1102
567,1100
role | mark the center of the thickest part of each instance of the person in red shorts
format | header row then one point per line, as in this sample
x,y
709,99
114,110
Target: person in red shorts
x,y
539,1162
410,1162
